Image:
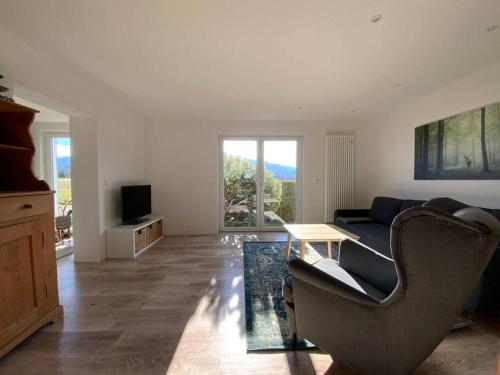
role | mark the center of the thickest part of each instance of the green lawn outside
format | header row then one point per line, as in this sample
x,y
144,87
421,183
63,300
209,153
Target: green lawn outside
x,y
63,189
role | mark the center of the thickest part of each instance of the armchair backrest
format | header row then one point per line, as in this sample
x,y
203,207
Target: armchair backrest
x,y
444,253
439,258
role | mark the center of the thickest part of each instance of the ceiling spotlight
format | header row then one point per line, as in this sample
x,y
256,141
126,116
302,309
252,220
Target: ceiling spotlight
x,y
491,28
376,18
398,84
353,111
299,108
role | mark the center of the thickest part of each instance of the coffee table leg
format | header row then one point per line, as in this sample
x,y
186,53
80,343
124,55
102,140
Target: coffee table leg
x,y
302,249
288,246
329,249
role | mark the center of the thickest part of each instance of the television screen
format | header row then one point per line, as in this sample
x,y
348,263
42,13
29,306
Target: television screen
x,y
136,202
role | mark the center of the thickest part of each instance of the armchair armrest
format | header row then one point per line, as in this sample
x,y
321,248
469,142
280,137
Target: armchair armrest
x,y
350,212
322,280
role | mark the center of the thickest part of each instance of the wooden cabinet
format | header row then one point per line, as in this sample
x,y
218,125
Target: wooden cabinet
x,y
28,275
127,241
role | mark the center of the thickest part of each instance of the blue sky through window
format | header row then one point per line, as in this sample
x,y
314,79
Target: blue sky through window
x,y
63,147
275,152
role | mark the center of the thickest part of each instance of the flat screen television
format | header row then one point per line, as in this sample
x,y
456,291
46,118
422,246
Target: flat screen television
x,y
136,202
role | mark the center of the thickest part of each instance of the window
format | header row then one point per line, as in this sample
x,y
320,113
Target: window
x,y
260,182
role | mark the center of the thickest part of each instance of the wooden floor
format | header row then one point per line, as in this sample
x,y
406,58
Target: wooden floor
x,y
179,309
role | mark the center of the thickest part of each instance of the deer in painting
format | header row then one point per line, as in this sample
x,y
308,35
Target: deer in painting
x,y
468,160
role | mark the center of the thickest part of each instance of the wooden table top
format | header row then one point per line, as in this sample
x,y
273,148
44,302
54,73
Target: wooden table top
x,y
318,232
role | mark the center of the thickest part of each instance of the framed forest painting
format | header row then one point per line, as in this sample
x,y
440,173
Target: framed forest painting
x,y
461,147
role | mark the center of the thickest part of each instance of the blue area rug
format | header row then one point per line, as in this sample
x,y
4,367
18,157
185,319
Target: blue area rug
x,y
264,269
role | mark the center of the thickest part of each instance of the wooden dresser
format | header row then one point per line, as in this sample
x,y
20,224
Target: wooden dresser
x,y
28,274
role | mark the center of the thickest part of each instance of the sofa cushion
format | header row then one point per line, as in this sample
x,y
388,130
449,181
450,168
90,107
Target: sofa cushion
x,y
331,267
374,268
374,235
384,209
410,203
445,204
356,219
479,218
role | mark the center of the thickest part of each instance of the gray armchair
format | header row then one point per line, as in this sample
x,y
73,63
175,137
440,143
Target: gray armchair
x,y
439,258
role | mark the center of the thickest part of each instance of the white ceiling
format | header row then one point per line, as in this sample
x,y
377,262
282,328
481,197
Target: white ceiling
x,y
262,59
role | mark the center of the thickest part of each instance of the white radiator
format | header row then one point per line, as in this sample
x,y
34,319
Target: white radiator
x,y
339,173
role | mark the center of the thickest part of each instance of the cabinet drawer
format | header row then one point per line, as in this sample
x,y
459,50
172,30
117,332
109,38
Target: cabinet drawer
x,y
24,206
140,239
150,233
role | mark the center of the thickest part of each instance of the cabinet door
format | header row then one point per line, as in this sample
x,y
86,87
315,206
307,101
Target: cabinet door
x,y
22,291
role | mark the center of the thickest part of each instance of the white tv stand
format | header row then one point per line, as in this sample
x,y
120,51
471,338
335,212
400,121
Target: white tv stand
x,y
128,241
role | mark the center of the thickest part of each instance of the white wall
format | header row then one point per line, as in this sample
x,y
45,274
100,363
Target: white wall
x,y
113,146
88,243
182,161
121,162
387,144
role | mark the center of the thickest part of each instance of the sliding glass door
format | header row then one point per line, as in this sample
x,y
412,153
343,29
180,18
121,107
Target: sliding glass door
x,y
280,182
240,183
260,182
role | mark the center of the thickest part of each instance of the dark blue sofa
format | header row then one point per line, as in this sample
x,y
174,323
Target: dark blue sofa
x,y
373,261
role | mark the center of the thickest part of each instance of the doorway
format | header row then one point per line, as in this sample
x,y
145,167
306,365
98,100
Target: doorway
x,y
59,174
261,181
50,132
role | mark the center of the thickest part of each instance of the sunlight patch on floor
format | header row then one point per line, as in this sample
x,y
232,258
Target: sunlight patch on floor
x,y
237,240
236,281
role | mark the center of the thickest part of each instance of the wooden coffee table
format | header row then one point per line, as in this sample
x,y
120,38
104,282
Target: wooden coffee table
x,y
316,233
